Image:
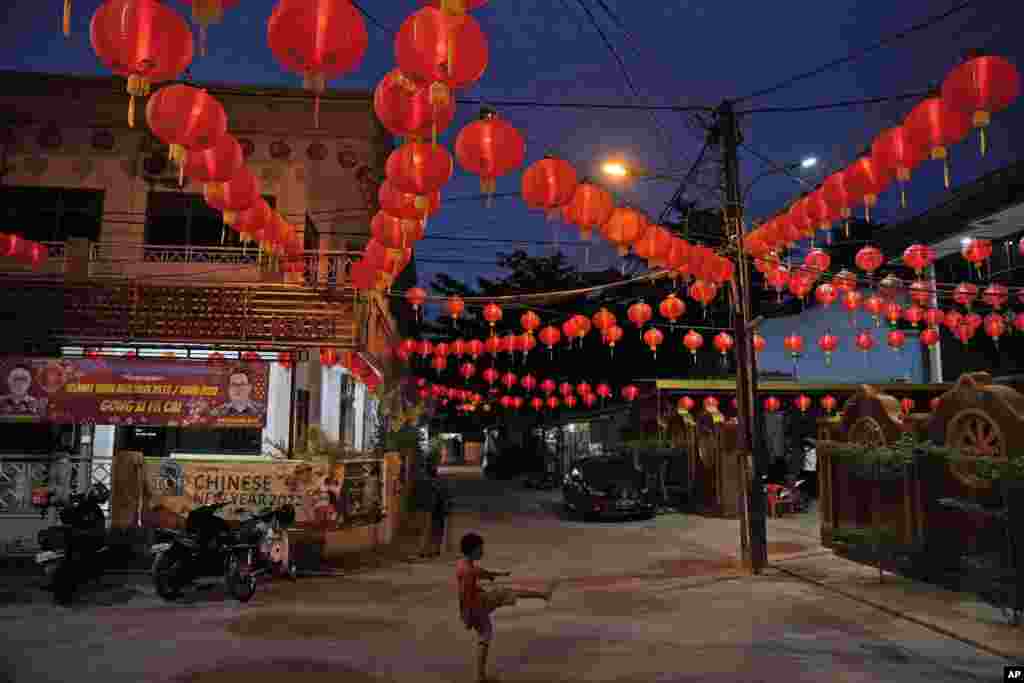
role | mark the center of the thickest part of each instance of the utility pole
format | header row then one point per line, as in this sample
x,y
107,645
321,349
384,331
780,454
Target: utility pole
x,y
754,535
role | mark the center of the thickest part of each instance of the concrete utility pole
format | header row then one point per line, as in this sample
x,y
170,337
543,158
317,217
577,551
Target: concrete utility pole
x,y
754,537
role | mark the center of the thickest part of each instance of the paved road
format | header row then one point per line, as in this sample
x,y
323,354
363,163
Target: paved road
x,y
656,601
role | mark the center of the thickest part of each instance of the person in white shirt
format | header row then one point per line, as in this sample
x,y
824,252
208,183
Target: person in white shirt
x,y
810,469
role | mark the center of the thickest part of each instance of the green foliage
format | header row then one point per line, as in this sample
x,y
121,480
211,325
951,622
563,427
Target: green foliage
x,y
860,537
319,448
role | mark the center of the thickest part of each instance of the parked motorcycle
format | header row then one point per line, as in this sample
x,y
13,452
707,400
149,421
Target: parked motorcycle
x,y
74,551
199,551
262,550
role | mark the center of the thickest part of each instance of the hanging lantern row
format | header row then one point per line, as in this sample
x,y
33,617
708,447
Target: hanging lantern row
x,y
971,93
602,392
802,402
194,125
23,252
354,363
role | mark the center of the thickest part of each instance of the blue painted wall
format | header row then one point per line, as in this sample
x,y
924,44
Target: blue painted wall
x,y
882,364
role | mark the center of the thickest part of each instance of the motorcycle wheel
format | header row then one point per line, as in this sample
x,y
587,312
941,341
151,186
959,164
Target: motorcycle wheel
x,y
241,585
63,584
166,581
293,571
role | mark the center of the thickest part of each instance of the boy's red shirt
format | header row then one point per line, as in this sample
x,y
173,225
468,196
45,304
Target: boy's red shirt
x,y
467,574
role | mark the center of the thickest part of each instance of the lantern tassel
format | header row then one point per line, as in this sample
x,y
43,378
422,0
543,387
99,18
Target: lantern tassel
x,y
67,19
316,111
945,170
223,233
981,136
903,196
131,111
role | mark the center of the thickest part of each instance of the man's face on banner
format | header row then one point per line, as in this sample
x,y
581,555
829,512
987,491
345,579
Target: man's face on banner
x,y
19,380
239,389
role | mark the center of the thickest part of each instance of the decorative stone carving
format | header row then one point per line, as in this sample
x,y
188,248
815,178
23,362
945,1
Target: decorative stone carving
x,y
317,151
280,150
871,417
347,157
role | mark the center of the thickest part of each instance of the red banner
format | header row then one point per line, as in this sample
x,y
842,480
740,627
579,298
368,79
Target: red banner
x,y
121,391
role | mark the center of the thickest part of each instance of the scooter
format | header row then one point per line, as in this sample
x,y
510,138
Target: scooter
x,y
73,552
264,549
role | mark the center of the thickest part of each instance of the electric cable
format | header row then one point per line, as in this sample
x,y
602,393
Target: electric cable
x,y
854,56
842,104
373,20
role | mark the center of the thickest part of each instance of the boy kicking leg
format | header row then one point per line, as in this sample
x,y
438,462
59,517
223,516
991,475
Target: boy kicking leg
x,y
477,604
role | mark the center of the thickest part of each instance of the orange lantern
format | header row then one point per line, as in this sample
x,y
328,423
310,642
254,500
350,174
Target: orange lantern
x,y
933,126
772,404
396,233
828,402
794,343
611,337
604,319
582,323
693,341
703,292
185,118
630,392
653,338
448,52
454,307
803,403
981,86
590,207
639,314
124,37
407,109
828,343
419,168
490,147
406,205
894,154
492,314
625,226
759,343
655,246
672,308
320,41
548,184
684,405
237,194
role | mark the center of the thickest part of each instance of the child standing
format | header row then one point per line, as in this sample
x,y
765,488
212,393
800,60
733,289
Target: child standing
x,y
477,604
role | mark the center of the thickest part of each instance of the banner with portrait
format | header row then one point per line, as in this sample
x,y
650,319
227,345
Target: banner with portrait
x,y
132,391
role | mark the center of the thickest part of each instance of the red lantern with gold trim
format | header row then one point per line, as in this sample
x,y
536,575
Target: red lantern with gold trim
x,y
591,207
828,343
490,147
406,108
802,403
630,392
981,86
895,155
625,226
865,180
419,168
446,51
828,402
548,184
185,118
672,308
653,338
933,126
772,404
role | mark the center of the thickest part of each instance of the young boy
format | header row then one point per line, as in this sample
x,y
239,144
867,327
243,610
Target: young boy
x,y
476,604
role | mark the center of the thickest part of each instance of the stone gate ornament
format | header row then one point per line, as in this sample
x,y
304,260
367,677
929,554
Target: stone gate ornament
x,y
279,149
316,151
347,158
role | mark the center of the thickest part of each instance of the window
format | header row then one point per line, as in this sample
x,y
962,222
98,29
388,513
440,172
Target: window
x,y
159,442
52,214
177,218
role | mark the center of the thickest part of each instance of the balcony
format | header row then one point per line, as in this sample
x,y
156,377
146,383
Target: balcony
x,y
183,263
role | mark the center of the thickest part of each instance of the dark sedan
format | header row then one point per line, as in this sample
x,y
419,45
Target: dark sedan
x,y
606,487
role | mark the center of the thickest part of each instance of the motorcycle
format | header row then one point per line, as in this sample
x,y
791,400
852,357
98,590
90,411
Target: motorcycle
x,y
74,552
201,550
262,550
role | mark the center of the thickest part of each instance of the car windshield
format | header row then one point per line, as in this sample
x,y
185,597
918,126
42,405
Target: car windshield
x,y
599,472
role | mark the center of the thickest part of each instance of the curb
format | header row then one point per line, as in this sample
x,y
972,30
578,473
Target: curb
x,y
899,614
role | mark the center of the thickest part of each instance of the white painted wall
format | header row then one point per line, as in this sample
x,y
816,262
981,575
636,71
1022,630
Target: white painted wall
x,y
359,410
330,402
276,433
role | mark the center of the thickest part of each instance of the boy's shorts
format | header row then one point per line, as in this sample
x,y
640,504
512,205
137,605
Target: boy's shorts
x,y
480,620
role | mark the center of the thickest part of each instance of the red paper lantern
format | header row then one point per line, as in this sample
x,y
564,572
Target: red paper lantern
x,y
216,164
952,320
671,308
894,313
530,321
396,233
493,345
506,402
933,317
467,370
589,400
844,281
550,336
710,404
995,326
865,181
490,147
612,335
1018,321
603,390
934,126
569,401
935,403
410,109
825,294
548,386
405,205
864,341
565,389
511,343
817,262
981,86
583,389
684,405
653,338
549,183
874,305
439,363
913,314
772,404
527,343
590,207
639,314
185,118
655,246
976,250
537,403
329,357
723,342
122,34
930,336
778,277
869,259
759,343
630,392
800,284
693,341
836,195
529,382
492,314
803,403
995,295
895,155
454,307
569,331
896,339
441,349
449,52
320,41
907,406
703,292
965,294
918,257
828,402
416,297
625,226
794,343
237,194
553,402
490,375
604,319
425,348
852,300
828,343
583,325
419,168
475,347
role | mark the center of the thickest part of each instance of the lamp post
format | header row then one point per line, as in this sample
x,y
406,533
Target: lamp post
x,y
621,170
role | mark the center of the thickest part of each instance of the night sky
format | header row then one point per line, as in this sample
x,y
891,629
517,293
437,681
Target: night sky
x,y
683,53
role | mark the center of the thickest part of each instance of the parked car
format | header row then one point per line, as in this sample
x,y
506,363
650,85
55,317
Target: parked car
x,y
608,487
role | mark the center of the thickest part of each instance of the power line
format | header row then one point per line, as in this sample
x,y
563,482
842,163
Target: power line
x,y
373,20
854,56
835,105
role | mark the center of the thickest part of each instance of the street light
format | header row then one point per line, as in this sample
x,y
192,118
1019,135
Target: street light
x,y
616,169
620,170
808,162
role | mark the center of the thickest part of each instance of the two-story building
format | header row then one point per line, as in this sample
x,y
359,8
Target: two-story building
x,y
138,262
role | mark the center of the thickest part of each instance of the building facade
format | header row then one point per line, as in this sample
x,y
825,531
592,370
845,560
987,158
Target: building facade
x,y
109,207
